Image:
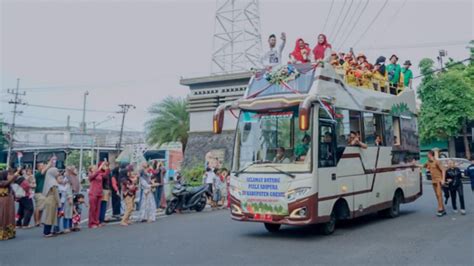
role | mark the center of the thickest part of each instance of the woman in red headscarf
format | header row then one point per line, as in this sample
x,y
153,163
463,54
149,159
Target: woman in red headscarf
x,y
320,48
301,52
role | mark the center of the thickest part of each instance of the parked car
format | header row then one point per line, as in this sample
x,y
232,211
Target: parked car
x,y
460,162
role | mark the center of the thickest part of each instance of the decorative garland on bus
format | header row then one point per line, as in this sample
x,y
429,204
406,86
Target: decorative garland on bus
x,y
283,74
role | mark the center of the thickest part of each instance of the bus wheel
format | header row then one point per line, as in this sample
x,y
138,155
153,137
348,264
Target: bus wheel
x,y
330,226
272,228
394,210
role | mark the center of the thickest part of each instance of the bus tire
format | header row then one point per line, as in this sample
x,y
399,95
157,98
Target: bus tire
x,y
272,228
394,210
330,226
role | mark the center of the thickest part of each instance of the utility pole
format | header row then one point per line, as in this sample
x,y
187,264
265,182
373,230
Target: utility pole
x,y
83,131
17,100
123,111
442,53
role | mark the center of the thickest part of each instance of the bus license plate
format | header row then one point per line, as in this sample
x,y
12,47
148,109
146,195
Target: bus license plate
x,y
263,217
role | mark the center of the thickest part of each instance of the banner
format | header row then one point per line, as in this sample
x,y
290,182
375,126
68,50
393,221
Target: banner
x,y
264,195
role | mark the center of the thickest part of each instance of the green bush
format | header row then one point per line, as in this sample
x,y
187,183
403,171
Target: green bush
x,y
193,175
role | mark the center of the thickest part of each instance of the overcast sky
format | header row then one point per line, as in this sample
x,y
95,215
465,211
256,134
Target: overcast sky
x,y
136,51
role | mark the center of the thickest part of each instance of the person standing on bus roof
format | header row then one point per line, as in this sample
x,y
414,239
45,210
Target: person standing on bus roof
x,y
321,51
301,52
394,71
273,58
437,178
407,74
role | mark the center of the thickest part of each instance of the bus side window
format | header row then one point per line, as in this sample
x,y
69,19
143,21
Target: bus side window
x,y
326,145
342,131
355,122
373,127
388,130
396,131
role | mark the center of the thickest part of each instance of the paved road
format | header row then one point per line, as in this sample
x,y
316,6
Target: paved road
x,y
211,238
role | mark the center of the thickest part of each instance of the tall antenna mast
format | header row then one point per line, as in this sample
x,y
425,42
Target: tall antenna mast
x,y
237,40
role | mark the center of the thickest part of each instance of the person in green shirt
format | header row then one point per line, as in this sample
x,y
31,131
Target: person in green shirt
x,y
39,197
407,74
302,149
393,70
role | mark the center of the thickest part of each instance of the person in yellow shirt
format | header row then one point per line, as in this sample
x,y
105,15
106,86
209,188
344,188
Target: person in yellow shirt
x,y
380,78
351,78
366,76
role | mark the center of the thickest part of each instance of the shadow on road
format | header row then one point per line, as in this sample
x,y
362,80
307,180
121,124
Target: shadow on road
x,y
312,232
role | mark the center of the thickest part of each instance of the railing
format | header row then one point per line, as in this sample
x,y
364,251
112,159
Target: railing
x,y
370,80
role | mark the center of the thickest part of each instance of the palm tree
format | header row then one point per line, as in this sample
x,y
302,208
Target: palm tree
x,y
169,122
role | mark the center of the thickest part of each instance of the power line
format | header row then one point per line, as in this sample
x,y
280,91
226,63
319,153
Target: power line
x,y
441,69
327,18
354,25
351,20
343,21
371,23
69,108
338,17
419,45
392,18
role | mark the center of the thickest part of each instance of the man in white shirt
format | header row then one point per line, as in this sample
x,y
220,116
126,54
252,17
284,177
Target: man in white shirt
x,y
273,57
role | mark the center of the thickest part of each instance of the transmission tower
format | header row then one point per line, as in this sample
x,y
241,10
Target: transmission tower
x,y
237,42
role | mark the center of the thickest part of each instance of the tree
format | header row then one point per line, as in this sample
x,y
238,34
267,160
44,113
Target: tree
x,y
73,159
169,122
447,102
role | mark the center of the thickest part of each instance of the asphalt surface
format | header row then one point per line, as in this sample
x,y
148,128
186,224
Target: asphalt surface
x,y
212,238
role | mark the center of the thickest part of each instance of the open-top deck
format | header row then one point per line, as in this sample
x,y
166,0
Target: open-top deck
x,y
291,85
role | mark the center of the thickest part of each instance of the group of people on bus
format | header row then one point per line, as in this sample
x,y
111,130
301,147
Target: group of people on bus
x,y
356,70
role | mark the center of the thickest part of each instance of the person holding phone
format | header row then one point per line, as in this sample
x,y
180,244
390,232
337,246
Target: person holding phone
x,y
96,175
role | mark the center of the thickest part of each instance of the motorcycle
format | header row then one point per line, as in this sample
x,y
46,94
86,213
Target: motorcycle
x,y
184,198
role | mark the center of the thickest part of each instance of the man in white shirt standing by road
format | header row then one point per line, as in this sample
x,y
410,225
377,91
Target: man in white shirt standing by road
x,y
273,58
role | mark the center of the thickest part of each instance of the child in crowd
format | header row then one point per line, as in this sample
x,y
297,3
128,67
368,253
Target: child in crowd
x,y
216,188
62,199
224,174
67,204
77,210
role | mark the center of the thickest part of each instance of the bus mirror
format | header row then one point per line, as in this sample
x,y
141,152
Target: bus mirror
x,y
303,118
218,121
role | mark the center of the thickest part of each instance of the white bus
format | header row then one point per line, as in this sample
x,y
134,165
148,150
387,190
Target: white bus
x,y
292,163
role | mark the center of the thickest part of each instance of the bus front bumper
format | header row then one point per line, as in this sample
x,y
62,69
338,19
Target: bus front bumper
x,y
301,212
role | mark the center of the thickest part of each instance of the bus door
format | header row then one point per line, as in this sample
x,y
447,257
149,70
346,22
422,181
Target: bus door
x,y
326,162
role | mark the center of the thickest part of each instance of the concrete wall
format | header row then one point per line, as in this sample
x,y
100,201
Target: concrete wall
x,y
200,143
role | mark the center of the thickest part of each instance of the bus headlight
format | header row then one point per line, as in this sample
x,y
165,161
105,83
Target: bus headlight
x,y
298,193
234,191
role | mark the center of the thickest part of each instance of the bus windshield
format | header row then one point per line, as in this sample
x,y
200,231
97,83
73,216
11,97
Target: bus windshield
x,y
271,141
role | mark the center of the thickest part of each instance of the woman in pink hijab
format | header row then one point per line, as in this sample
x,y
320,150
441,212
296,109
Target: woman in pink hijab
x,y
301,52
320,49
